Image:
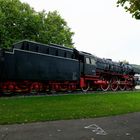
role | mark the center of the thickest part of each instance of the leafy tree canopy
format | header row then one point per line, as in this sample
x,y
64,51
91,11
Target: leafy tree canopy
x,y
132,6
19,21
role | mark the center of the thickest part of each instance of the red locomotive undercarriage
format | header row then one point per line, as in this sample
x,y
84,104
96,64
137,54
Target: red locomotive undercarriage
x,y
103,82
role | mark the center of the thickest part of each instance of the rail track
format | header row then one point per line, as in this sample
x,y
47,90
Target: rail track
x,y
53,93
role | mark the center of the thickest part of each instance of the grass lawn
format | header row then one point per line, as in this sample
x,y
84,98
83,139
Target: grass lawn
x,y
44,108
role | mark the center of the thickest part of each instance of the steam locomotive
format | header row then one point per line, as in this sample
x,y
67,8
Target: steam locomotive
x,y
30,66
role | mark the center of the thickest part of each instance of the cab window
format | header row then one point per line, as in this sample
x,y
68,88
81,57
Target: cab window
x,y
93,62
87,60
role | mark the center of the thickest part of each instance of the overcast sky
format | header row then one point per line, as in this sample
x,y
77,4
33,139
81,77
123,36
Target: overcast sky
x,y
100,27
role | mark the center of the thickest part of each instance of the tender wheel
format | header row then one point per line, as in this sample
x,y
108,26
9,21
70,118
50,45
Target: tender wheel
x,y
8,88
23,87
35,87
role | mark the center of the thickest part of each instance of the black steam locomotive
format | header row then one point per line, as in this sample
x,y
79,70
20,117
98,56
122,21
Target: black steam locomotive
x,y
31,66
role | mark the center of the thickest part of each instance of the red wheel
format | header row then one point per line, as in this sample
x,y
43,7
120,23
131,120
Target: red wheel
x,y
122,85
86,88
23,86
8,88
114,84
130,87
71,87
35,87
106,86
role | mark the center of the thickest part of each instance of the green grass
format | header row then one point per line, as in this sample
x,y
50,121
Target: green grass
x,y
33,109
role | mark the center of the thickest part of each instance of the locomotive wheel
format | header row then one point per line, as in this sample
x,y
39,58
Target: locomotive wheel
x,y
105,87
85,89
122,87
114,84
133,87
129,87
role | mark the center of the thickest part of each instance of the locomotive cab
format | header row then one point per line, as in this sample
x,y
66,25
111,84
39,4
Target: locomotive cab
x,y
88,64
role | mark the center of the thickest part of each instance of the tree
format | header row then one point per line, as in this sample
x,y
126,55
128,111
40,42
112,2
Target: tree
x,y
19,21
55,30
132,6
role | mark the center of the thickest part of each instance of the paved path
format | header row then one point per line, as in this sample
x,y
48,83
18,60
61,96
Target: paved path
x,y
124,127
